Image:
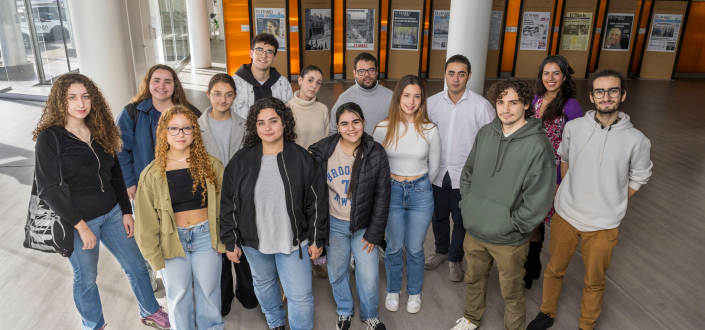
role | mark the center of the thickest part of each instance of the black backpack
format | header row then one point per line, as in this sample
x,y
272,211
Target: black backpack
x,y
134,114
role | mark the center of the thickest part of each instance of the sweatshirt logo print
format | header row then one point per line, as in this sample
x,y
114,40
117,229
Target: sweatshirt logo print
x,y
340,173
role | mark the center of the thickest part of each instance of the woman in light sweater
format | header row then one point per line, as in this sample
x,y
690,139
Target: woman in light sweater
x,y
222,130
311,116
413,146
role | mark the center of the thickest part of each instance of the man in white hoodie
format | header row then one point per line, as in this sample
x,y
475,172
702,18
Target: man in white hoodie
x,y
604,162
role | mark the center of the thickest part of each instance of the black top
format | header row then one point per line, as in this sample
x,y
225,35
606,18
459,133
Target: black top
x,y
372,192
180,188
304,190
93,176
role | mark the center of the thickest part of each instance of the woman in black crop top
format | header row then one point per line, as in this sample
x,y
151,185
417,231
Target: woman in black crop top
x,y
177,207
76,144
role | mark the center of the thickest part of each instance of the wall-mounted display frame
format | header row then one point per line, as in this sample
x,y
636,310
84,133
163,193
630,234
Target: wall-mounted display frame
x,y
534,36
272,16
405,38
438,35
667,22
362,24
620,31
575,38
316,35
495,44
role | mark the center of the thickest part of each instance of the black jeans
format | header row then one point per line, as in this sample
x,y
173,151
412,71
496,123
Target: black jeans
x,y
446,200
244,289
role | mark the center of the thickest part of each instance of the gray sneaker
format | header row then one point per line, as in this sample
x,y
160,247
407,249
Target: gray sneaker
x,y
435,260
456,271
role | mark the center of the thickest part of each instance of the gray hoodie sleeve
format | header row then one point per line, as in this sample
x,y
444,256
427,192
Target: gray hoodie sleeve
x,y
640,165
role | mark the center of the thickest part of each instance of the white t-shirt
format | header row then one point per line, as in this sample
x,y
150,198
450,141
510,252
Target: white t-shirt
x,y
414,153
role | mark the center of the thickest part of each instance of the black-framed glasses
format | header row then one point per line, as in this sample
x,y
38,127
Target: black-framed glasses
x,y
174,131
260,51
600,93
362,72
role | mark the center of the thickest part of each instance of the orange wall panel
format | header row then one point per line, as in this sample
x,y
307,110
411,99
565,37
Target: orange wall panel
x,y
383,39
427,37
597,36
510,38
692,55
237,42
294,60
640,37
339,39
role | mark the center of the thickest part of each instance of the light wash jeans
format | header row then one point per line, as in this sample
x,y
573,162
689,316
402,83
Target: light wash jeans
x,y
295,276
410,212
342,242
198,273
108,230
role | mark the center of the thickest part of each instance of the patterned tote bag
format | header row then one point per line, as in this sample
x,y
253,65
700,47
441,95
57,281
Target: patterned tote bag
x,y
44,230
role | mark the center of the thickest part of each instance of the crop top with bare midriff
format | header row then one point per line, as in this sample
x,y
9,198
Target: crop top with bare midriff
x,y
180,187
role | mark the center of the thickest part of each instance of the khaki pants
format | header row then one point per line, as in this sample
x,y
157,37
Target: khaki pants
x,y
510,263
597,253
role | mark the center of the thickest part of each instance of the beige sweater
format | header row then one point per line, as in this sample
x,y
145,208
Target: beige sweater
x,y
312,120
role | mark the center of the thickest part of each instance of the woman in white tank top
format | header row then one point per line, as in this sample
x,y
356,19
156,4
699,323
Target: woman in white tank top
x,y
413,147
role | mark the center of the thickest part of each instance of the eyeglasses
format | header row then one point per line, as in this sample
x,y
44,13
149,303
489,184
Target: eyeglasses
x,y
174,131
260,51
218,96
600,93
361,72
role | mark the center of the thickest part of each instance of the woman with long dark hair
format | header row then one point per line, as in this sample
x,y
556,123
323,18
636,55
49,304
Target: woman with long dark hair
x,y
77,143
555,104
413,146
178,202
274,209
359,187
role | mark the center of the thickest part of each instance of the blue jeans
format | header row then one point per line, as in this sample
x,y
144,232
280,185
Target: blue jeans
x,y
197,273
109,230
342,242
295,276
410,211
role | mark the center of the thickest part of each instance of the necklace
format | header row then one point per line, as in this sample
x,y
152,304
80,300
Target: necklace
x,y
177,160
76,131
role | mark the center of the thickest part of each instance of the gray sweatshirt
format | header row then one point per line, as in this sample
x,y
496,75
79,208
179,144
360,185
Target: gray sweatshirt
x,y
237,133
603,165
374,103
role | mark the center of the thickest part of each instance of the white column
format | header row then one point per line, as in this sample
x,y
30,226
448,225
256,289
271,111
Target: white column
x,y
468,34
198,38
101,46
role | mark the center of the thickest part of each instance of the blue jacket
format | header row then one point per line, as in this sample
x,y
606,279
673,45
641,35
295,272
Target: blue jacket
x,y
138,143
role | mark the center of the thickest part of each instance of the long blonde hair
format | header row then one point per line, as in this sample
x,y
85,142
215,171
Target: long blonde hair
x,y
199,164
396,116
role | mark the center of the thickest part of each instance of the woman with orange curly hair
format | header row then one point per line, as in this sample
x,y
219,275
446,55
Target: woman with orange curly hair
x,y
178,206
79,178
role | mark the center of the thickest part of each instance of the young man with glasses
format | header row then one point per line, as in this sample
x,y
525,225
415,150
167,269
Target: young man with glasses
x,y
604,162
459,114
259,79
367,93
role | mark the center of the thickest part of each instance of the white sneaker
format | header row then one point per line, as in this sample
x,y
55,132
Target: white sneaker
x,y
392,302
413,305
464,324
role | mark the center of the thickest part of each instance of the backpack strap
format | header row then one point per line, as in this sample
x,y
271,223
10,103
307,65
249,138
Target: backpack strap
x,y
134,113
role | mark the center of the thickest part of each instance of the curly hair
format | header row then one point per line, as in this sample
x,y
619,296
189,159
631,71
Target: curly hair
x,y
521,87
199,164
565,93
179,96
99,119
282,110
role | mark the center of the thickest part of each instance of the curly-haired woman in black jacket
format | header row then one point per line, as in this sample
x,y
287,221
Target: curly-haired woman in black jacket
x,y
359,188
274,209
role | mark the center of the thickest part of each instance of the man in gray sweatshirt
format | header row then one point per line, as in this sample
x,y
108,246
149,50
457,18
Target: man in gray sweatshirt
x,y
604,162
367,93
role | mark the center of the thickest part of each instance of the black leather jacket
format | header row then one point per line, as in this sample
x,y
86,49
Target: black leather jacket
x,y
372,192
305,191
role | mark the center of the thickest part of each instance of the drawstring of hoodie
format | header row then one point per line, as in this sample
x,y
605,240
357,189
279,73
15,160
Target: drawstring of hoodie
x,y
604,143
498,163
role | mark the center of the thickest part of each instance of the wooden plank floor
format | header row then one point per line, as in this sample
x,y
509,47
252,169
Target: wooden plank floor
x,y
655,280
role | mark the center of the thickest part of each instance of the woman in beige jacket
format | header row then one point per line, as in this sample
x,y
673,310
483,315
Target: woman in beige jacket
x,y
178,232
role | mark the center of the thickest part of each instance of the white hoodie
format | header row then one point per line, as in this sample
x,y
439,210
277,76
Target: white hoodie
x,y
603,164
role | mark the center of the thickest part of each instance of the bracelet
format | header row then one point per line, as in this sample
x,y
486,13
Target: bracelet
x,y
83,231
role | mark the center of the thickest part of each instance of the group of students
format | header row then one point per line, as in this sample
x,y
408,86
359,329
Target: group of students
x,y
274,183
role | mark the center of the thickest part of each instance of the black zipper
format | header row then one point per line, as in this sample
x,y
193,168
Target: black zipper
x,y
291,196
96,157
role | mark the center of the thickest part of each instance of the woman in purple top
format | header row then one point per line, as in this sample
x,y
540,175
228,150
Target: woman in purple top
x,y
556,105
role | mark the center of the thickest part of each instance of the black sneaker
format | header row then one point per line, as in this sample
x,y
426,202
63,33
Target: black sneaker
x,y
281,327
343,322
375,324
541,322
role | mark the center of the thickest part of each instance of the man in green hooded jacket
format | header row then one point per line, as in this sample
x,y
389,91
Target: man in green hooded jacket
x,y
507,187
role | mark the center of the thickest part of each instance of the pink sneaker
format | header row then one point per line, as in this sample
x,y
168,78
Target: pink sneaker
x,y
158,320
